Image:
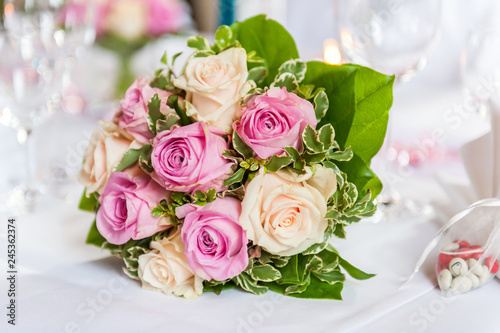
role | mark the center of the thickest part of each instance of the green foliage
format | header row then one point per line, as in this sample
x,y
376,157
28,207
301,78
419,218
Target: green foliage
x,y
90,203
269,41
94,237
131,156
359,102
173,102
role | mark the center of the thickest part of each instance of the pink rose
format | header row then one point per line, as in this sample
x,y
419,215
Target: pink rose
x,y
165,16
215,243
133,112
189,158
126,205
274,120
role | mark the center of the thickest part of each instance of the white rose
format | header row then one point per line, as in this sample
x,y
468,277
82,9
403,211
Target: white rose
x,y
214,86
105,150
127,18
166,269
284,214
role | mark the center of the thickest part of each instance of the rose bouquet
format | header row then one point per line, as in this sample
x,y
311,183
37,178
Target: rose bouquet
x,y
238,171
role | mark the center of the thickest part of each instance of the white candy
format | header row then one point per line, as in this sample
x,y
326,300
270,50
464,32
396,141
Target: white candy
x,y
475,280
461,284
444,279
458,267
451,247
485,277
481,270
475,267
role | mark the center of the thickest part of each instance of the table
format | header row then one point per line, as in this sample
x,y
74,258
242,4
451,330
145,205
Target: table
x,y
67,286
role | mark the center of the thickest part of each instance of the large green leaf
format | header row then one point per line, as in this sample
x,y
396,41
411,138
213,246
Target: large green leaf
x,y
269,39
361,175
317,289
360,99
94,237
90,203
339,84
373,101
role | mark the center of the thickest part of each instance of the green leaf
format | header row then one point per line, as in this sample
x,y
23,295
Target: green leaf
x,y
326,135
257,74
129,158
306,91
339,231
269,40
154,113
336,170
235,178
174,58
241,147
88,204
320,103
361,175
296,67
330,277
211,194
198,43
316,248
310,139
164,58
173,102
355,272
224,36
286,80
294,153
218,288
317,289
293,271
359,103
266,273
277,162
298,288
246,283
344,155
145,158
94,237
165,124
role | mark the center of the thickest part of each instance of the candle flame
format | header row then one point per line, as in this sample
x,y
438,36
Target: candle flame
x,y
331,52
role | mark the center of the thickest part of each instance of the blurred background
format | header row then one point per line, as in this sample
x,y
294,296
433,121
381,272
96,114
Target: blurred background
x,y
443,52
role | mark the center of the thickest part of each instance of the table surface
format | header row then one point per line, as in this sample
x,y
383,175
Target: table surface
x,y
65,285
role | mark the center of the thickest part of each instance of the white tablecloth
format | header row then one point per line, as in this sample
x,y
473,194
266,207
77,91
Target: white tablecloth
x,y
66,286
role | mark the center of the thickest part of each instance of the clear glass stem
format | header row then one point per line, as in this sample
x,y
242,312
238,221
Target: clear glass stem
x,y
23,137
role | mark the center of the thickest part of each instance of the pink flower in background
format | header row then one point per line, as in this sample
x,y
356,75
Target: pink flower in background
x,y
126,205
215,243
133,111
274,120
165,16
189,158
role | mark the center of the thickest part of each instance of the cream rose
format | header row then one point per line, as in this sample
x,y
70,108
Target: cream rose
x,y
214,86
105,150
166,269
127,18
284,213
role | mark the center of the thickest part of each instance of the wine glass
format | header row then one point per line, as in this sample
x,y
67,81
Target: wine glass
x,y
393,37
480,68
30,80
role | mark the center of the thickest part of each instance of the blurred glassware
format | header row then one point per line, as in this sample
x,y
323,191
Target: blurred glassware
x,y
32,44
480,68
393,37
